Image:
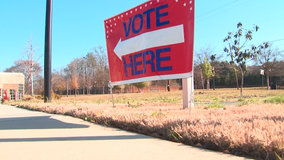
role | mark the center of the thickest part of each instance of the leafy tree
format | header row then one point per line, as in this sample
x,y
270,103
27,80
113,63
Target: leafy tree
x,y
200,56
239,52
207,72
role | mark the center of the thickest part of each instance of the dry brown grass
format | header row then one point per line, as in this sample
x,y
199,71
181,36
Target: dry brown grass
x,y
254,130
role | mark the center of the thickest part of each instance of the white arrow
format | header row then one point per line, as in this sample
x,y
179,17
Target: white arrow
x,y
162,37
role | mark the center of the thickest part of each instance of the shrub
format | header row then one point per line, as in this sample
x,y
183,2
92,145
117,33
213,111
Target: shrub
x,y
39,97
53,95
56,96
2,100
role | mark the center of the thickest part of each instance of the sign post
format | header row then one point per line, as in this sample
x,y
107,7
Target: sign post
x,y
152,41
261,73
188,92
110,90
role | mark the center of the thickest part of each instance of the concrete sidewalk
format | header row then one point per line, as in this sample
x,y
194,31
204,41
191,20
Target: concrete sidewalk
x,y
28,135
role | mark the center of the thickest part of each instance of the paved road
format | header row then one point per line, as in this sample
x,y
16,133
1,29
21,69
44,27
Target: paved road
x,y
28,135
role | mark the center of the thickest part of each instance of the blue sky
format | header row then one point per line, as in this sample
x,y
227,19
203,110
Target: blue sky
x,y
78,26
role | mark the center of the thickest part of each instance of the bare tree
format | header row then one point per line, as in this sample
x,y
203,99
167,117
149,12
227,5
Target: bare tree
x,y
38,85
58,80
85,72
82,74
20,67
102,72
67,77
29,61
268,58
72,74
90,70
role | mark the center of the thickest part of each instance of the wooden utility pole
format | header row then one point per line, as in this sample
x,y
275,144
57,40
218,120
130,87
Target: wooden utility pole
x,y
47,53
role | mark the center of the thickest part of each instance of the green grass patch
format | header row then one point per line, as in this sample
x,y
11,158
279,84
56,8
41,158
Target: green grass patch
x,y
216,104
276,99
173,100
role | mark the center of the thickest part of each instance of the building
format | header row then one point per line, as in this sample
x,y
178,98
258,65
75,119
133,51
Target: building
x,y
11,85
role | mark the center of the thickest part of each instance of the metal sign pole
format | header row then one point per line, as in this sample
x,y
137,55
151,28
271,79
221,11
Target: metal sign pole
x,y
110,90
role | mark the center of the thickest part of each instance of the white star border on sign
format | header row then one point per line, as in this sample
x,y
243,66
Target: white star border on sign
x,y
110,24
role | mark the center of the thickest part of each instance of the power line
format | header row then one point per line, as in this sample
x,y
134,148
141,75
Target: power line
x,y
225,10
270,18
216,9
277,40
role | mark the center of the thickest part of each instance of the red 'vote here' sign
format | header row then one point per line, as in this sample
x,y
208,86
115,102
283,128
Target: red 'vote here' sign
x,y
152,41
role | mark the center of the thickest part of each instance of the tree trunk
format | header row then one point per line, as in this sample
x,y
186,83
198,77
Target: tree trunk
x,y
168,86
236,75
268,81
208,83
32,85
242,84
202,81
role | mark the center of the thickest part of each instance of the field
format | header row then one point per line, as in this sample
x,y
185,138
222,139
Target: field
x,y
251,126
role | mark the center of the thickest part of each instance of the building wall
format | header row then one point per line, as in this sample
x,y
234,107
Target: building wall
x,y
11,78
11,81
11,86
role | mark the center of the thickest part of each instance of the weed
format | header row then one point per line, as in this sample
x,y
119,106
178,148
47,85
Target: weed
x,y
88,119
165,99
134,106
173,135
98,101
278,157
158,114
141,115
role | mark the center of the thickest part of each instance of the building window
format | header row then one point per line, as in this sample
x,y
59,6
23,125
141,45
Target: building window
x,y
21,91
12,94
